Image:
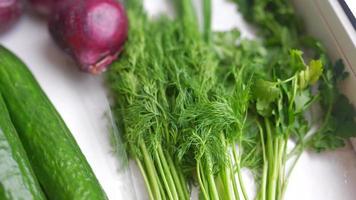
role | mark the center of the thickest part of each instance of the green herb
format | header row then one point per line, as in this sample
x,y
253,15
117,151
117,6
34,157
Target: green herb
x,y
285,96
197,107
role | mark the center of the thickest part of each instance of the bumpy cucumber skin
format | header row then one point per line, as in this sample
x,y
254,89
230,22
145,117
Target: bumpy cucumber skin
x,y
57,160
17,180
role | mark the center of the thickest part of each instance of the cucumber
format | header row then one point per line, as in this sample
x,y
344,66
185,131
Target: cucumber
x,y
56,158
17,180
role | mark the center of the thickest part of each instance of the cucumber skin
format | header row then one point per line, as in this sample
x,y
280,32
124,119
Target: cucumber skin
x,y
17,180
57,160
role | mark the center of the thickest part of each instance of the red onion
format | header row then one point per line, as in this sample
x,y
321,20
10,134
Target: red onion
x,y
93,32
43,7
10,11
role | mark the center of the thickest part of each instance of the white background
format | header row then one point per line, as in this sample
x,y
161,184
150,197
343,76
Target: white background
x,y
81,100
352,6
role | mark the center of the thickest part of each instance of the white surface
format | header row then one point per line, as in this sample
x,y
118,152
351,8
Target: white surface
x,y
81,100
352,6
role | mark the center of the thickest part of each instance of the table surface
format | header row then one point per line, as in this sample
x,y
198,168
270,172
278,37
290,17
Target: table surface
x,y
82,101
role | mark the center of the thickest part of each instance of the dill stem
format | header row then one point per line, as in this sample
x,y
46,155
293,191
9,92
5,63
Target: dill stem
x,y
212,185
239,175
167,173
225,185
151,172
177,181
200,180
143,172
163,176
231,182
208,172
184,184
207,20
234,181
228,178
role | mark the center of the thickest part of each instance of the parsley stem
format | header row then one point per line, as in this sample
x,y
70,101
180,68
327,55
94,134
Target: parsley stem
x,y
280,166
285,184
271,150
264,181
262,194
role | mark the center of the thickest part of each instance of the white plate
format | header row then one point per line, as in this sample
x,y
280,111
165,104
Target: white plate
x,y
81,100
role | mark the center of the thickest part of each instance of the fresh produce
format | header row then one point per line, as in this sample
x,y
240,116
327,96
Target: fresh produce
x,y
217,103
93,32
167,98
293,91
139,85
17,180
43,7
10,12
57,161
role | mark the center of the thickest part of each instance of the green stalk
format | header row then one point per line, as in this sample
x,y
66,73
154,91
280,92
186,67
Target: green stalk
x,y
162,191
201,181
207,20
265,164
239,176
264,181
233,176
167,173
271,192
143,172
283,167
282,146
275,169
285,184
184,184
151,172
210,180
180,185
189,19
229,182
227,174
227,179
212,186
163,175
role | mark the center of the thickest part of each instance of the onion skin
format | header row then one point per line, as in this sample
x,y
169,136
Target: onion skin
x,y
43,7
10,12
93,32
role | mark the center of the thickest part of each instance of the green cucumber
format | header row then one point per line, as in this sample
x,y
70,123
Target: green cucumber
x,y
17,180
56,158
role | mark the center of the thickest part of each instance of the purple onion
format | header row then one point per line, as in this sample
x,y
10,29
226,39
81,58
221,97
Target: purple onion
x,y
93,32
43,7
10,12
